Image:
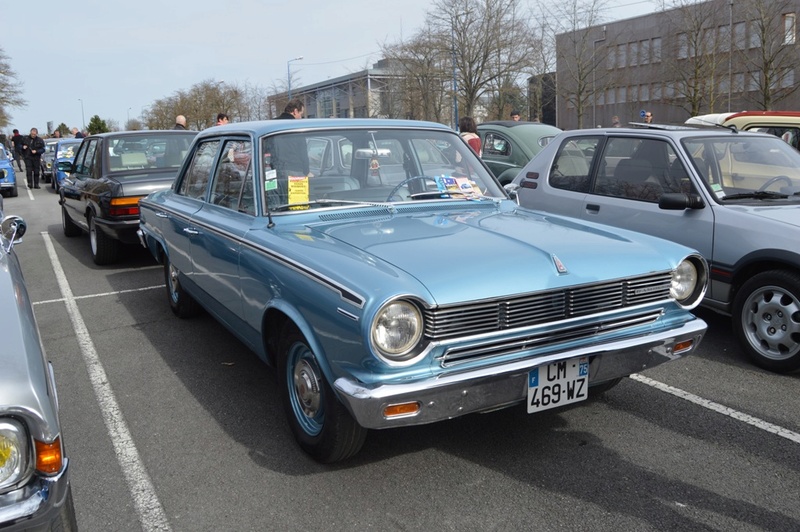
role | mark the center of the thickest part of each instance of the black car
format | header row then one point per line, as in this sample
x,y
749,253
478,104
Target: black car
x,y
110,174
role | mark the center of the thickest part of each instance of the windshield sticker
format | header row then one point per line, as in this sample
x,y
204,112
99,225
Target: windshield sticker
x,y
298,190
270,180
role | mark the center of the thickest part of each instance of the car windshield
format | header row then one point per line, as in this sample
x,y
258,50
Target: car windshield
x,y
743,167
322,168
153,150
67,150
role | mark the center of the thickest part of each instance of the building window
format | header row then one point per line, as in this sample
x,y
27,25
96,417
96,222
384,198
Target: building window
x,y
683,46
738,82
623,95
655,50
644,93
622,60
724,38
739,35
787,78
611,58
633,57
611,97
655,93
789,28
753,81
755,35
644,52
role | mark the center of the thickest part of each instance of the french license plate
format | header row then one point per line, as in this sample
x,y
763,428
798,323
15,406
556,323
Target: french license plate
x,y
558,384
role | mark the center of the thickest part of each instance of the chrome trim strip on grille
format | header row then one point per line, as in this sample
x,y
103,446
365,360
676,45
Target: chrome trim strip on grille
x,y
545,307
541,339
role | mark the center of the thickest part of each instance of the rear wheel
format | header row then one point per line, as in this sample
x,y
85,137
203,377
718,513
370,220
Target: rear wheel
x,y
105,250
766,318
70,229
320,422
182,304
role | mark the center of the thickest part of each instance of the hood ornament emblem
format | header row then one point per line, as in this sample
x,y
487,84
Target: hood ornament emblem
x,y
560,268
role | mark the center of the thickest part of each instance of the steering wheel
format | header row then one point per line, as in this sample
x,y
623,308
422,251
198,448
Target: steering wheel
x,y
775,179
401,184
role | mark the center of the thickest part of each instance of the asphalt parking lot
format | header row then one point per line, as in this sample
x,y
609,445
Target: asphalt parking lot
x,y
174,425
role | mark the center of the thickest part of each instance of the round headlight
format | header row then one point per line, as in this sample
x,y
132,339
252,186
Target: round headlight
x,y
396,330
689,282
13,452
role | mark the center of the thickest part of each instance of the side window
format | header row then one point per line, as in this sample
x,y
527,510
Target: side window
x,y
232,172
318,155
84,169
650,170
571,167
495,144
196,178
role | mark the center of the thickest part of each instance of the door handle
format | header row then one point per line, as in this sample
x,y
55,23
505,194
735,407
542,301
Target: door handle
x,y
191,231
592,208
162,214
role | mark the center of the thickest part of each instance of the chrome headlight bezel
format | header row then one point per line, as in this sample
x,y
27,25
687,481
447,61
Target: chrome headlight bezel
x,y
689,282
15,453
397,332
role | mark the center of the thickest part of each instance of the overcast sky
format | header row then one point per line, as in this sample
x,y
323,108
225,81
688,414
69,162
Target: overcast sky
x,y
119,56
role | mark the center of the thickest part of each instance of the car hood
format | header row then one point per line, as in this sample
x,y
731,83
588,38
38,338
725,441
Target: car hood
x,y
787,214
470,254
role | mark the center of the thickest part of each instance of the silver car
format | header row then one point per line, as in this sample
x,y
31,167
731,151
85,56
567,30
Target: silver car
x,y
734,196
35,492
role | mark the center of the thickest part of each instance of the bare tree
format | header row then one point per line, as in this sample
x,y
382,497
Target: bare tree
x,y
697,58
770,56
581,53
10,90
425,73
487,40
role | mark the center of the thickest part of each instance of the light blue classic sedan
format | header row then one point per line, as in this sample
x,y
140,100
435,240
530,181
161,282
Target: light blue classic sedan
x,y
384,272
8,177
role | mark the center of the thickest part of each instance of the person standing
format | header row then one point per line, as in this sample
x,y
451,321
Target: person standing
x,y
648,117
180,122
222,119
293,109
615,121
32,149
77,133
469,132
515,115
16,141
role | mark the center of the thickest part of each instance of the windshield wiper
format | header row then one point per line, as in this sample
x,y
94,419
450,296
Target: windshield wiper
x,y
757,194
327,202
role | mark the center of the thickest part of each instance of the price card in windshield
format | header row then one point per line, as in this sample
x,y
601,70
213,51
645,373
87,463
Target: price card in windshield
x,y
558,384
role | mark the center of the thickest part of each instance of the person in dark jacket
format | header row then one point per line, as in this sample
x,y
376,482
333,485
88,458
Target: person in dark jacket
x,y
180,122
32,149
16,141
290,156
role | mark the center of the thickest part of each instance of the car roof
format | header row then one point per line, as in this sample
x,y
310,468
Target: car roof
x,y
264,127
671,131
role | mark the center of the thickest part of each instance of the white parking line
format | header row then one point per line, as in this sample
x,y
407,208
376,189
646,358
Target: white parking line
x,y
103,294
151,513
716,407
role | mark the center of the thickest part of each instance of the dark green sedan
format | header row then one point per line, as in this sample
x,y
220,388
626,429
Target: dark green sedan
x,y
508,145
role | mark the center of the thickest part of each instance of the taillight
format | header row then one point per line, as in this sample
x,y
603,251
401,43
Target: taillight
x,y
124,206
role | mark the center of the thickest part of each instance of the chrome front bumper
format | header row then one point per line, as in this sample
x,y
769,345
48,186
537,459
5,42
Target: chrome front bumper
x,y
457,393
36,505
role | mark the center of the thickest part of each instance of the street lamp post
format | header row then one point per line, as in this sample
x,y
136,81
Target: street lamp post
x,y
129,115
730,53
83,117
455,80
594,70
289,75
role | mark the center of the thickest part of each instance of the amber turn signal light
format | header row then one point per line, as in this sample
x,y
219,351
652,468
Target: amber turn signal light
x,y
403,409
48,457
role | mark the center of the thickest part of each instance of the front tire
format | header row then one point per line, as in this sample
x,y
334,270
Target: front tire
x,y
70,228
766,319
105,250
321,424
182,304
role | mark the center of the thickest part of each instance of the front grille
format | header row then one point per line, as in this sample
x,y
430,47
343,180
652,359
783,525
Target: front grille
x,y
544,307
542,340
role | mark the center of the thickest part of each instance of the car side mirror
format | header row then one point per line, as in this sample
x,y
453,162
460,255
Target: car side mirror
x,y
511,189
676,201
64,166
12,228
